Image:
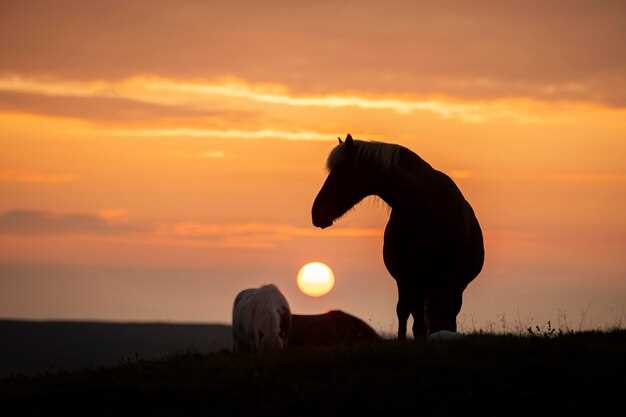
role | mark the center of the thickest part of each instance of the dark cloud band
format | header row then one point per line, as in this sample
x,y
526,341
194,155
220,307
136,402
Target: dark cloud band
x,y
572,50
38,222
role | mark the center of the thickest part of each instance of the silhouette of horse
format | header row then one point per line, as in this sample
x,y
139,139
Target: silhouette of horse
x,y
433,243
261,320
332,328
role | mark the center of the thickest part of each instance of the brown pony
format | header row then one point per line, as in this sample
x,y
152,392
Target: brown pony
x,y
332,328
433,244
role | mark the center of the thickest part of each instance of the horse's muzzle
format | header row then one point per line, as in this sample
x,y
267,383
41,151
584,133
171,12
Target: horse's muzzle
x,y
322,224
320,219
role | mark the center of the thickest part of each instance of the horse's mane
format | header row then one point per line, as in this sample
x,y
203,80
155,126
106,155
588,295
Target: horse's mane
x,y
385,156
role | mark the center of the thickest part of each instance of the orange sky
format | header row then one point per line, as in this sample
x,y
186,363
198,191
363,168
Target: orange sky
x,y
158,158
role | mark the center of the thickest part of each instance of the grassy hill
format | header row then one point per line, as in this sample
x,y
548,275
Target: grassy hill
x,y
35,346
487,375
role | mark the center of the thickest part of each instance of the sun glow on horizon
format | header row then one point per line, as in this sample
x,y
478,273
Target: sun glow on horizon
x,y
316,279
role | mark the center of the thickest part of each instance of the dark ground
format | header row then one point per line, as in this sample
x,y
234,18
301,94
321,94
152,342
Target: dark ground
x,y
486,375
35,346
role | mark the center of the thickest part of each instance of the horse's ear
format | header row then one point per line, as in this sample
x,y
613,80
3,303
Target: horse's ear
x,y
349,139
339,139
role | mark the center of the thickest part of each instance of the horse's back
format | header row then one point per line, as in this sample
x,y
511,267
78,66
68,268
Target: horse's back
x,y
332,328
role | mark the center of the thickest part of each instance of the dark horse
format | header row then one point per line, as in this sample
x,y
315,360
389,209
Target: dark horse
x,y
433,242
328,329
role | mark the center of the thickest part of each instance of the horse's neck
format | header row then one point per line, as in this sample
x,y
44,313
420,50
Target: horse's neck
x,y
406,189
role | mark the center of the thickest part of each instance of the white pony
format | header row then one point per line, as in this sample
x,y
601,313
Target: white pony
x,y
261,320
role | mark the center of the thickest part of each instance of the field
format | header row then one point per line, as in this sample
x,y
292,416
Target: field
x,y
29,347
483,374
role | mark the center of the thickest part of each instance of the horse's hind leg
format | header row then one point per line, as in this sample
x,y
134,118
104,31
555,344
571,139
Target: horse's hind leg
x,y
442,307
403,309
419,323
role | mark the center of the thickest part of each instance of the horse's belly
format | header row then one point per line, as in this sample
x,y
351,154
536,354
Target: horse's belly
x,y
406,258
424,251
405,250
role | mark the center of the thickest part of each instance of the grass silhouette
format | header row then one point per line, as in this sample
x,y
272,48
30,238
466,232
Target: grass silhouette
x,y
544,372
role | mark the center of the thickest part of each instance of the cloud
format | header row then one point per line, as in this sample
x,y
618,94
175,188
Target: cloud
x,y
115,223
90,107
581,177
226,134
248,92
38,222
162,96
282,231
476,50
35,177
584,177
257,235
114,214
213,155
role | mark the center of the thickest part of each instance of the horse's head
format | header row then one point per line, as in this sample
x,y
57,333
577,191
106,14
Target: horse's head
x,y
273,321
345,186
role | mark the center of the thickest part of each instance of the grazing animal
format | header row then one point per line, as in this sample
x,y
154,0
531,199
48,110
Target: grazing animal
x,y
433,243
261,320
332,328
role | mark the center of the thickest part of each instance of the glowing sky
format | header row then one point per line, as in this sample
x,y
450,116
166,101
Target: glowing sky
x,y
158,157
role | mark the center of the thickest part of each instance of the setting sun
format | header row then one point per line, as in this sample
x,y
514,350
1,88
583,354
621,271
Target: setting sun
x,y
316,279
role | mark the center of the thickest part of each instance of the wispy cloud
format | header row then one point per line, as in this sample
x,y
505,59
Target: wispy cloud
x,y
564,177
38,222
213,154
585,177
487,46
115,223
283,231
249,92
257,235
114,214
86,106
198,95
227,134
35,177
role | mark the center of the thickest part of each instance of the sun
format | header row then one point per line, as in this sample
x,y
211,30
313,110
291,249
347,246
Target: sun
x,y
315,279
